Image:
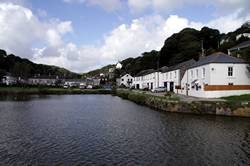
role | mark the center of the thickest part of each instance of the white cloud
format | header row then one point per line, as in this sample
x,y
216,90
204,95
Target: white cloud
x,y
24,34
221,6
109,5
230,22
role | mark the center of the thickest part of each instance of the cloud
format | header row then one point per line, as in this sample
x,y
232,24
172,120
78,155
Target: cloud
x,y
230,22
23,33
143,34
109,5
221,6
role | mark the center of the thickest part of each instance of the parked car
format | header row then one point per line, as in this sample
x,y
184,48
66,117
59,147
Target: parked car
x,y
82,86
89,87
159,89
65,86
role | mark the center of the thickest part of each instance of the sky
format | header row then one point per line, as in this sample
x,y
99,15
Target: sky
x,y
82,35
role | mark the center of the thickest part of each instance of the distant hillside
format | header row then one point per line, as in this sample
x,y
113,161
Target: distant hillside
x,y
183,46
25,68
97,72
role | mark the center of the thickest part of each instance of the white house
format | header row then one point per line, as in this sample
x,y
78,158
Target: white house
x,y
126,80
147,79
216,75
247,35
42,80
170,77
239,47
9,80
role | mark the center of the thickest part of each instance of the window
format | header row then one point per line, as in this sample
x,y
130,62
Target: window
x,y
197,73
175,74
192,73
166,75
230,71
171,75
203,72
230,83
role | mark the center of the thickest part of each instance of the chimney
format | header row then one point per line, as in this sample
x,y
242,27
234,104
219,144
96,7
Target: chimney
x,y
202,51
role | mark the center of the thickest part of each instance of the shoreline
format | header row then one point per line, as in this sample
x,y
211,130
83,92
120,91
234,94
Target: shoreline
x,y
159,103
168,104
49,91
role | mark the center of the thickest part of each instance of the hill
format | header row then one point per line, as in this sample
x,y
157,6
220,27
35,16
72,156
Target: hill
x,y
24,68
183,46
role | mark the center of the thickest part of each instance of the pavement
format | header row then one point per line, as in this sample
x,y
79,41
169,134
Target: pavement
x,y
185,98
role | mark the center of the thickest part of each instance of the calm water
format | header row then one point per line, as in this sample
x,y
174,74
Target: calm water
x,y
106,130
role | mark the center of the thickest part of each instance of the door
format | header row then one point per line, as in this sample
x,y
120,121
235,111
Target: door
x,y
137,86
166,84
171,86
152,85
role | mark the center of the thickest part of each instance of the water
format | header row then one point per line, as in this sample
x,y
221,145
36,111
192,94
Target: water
x,y
106,130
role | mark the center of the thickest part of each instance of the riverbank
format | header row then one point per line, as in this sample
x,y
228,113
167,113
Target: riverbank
x,y
174,104
51,91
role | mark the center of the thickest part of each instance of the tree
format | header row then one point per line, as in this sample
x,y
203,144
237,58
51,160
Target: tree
x,y
22,70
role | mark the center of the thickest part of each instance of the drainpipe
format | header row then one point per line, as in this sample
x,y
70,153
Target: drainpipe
x,y
187,84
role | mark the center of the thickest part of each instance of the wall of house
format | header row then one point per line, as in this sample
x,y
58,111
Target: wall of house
x,y
219,74
215,74
150,81
137,81
171,76
125,80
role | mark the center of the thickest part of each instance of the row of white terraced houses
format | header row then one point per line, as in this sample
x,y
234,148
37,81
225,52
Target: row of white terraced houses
x,y
212,76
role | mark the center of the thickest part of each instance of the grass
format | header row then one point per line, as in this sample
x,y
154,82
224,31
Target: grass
x,y
46,90
238,98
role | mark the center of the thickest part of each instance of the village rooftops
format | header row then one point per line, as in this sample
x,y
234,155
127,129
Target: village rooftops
x,y
218,57
183,65
44,77
145,72
241,45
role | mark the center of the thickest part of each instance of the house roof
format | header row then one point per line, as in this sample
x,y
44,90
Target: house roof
x,y
241,45
182,65
145,72
125,75
218,57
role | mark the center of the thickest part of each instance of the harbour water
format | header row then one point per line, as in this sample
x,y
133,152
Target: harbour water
x,y
107,130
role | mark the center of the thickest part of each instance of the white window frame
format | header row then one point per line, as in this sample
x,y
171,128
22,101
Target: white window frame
x,y
203,72
230,73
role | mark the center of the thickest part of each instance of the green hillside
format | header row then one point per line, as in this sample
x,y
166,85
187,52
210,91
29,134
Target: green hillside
x,y
24,68
183,46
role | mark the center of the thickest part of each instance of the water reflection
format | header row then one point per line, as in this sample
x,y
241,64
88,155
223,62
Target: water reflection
x,y
106,130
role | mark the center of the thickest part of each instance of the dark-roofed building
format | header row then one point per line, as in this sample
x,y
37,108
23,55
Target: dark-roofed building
x,y
216,75
146,79
235,50
170,77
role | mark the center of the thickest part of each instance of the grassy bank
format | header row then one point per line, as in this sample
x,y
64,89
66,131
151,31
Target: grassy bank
x,y
45,90
241,98
173,104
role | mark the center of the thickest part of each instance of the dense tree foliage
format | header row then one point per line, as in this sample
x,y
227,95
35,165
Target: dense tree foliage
x,y
183,46
24,68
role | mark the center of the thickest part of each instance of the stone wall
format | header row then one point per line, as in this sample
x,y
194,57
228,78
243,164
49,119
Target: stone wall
x,y
199,107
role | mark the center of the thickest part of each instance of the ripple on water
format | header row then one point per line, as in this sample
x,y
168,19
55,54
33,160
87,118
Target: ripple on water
x,y
106,130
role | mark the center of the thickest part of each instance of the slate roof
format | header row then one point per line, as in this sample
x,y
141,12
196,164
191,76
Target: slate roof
x,y
145,72
183,65
241,45
218,57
